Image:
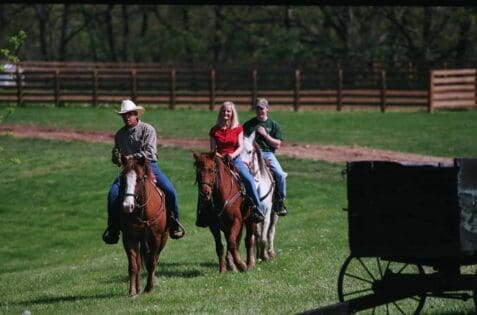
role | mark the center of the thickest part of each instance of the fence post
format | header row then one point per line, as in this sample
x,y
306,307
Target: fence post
x,y
19,87
383,91
212,89
133,85
172,103
95,88
339,91
296,103
431,92
254,87
57,87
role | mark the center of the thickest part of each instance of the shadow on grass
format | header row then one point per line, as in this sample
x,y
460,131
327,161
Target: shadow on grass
x,y
61,299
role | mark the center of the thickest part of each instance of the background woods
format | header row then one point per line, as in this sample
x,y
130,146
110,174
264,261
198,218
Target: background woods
x,y
222,34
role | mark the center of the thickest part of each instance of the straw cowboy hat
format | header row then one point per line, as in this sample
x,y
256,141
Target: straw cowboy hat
x,y
129,106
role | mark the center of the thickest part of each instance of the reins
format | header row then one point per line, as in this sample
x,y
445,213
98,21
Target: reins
x,y
147,197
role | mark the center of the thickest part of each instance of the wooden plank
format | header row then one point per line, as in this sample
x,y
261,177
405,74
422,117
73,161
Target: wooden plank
x,y
269,93
407,100
459,87
319,99
463,103
448,80
361,100
424,93
363,92
454,72
317,92
450,96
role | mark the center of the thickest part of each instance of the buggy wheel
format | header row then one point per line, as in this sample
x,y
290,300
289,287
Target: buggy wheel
x,y
358,275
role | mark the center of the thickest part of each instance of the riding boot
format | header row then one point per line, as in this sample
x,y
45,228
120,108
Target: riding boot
x,y
111,234
256,215
281,209
176,230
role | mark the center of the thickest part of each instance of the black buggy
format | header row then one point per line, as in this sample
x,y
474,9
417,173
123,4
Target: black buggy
x,y
412,235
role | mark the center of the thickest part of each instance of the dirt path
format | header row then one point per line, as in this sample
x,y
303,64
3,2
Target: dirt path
x,y
329,153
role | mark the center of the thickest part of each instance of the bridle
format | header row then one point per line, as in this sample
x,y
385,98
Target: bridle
x,y
139,209
214,185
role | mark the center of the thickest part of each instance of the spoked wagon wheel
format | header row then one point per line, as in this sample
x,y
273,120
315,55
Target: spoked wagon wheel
x,y
358,274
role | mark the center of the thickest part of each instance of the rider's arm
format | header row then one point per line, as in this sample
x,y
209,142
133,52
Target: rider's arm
x,y
275,143
239,147
148,148
213,145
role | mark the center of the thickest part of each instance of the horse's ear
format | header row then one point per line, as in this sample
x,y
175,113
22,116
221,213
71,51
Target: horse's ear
x,y
195,155
213,153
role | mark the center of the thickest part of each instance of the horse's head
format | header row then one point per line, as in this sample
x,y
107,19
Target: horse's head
x,y
134,172
206,173
247,153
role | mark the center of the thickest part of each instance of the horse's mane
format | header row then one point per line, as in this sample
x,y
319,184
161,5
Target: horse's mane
x,y
261,160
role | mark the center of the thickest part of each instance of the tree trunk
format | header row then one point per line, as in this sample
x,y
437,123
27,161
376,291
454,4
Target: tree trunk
x,y
110,32
42,13
125,37
64,31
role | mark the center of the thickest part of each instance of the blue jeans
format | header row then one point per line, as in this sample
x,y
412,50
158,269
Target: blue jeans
x,y
279,174
162,181
248,182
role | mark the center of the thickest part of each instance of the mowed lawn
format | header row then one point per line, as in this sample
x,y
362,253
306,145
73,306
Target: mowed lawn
x,y
443,133
52,259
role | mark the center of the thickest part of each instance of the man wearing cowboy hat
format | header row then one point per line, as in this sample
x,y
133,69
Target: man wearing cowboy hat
x,y
137,139
269,138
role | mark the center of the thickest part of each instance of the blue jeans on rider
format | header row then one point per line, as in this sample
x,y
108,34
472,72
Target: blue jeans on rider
x,y
248,182
162,181
280,175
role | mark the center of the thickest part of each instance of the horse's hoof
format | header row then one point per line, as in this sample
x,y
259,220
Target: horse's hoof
x,y
132,295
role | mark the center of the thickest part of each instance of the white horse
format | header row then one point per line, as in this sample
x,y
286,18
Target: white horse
x,y
252,156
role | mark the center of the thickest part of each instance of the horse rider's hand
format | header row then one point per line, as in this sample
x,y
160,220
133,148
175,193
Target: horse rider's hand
x,y
116,157
261,131
228,159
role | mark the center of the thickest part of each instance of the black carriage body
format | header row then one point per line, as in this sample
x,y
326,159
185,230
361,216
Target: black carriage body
x,y
417,213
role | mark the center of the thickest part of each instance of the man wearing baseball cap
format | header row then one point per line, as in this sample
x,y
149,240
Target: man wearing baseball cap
x,y
269,138
137,139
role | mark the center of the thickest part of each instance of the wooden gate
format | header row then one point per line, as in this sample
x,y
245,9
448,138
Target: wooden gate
x,y
452,88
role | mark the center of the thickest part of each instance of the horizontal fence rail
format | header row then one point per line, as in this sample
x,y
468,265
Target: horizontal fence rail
x,y
310,87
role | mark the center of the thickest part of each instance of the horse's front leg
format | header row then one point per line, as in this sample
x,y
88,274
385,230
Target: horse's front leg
x,y
249,241
219,247
134,265
232,243
271,235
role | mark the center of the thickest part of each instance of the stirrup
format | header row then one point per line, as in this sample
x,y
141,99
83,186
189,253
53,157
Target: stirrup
x,y
110,237
256,215
177,231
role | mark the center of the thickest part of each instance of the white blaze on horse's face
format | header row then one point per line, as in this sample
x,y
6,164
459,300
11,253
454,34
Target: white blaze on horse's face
x,y
128,203
247,151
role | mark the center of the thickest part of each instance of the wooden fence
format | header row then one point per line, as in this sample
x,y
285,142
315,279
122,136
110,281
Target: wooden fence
x,y
202,86
453,88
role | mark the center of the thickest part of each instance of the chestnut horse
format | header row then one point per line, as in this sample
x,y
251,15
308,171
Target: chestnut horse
x,y
143,221
230,209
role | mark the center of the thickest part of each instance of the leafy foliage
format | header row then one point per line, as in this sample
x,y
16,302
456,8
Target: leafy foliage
x,y
237,33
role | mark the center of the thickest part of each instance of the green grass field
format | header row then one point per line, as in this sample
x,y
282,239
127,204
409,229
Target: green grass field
x,y
444,133
52,259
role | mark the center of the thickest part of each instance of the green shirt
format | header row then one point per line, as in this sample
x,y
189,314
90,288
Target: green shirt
x,y
270,125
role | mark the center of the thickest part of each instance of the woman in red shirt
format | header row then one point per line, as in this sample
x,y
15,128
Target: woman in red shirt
x,y
226,137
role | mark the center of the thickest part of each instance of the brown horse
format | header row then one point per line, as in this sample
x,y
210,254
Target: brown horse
x,y
229,209
143,221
